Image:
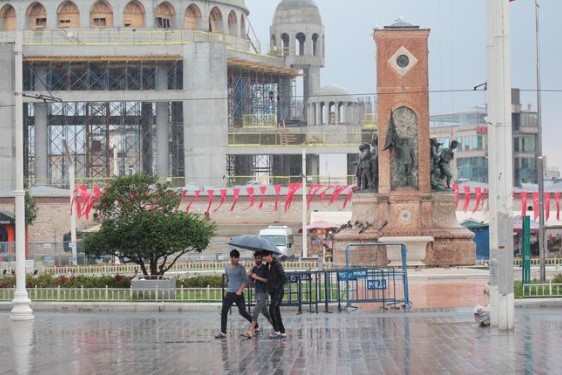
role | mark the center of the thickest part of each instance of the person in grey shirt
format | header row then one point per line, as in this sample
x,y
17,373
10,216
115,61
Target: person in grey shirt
x,y
258,276
237,281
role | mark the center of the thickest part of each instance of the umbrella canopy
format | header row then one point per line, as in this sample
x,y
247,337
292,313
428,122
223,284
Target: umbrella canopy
x,y
254,243
324,225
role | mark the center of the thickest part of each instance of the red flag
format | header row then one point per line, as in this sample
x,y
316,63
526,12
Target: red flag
x,y
557,199
277,193
312,193
535,205
293,187
466,198
323,193
523,203
478,195
263,188
236,193
210,193
223,197
196,192
348,197
250,191
337,191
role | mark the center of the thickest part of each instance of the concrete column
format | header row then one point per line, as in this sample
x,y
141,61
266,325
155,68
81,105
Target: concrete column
x,y
311,82
41,132
337,113
146,140
205,113
162,125
318,114
313,166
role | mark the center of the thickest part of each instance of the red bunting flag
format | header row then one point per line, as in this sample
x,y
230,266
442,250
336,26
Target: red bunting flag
x,y
557,199
478,195
223,198
277,194
546,197
348,197
196,192
323,193
312,193
263,188
293,187
466,198
337,191
523,203
235,194
250,191
210,193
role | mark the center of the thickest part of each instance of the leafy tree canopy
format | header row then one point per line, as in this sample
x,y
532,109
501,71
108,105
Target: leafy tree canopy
x,y
141,224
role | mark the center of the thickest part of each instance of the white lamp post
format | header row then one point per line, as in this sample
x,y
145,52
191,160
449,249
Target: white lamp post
x,y
71,178
21,309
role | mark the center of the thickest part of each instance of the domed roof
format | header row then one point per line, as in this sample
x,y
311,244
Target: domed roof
x,y
297,12
334,91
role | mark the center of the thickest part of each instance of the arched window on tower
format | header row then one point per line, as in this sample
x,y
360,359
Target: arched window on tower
x,y
342,113
164,16
8,18
242,26
285,43
322,113
232,24
215,21
133,15
101,15
314,44
68,15
36,17
300,41
192,18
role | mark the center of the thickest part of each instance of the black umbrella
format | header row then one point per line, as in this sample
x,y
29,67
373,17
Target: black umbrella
x,y
255,243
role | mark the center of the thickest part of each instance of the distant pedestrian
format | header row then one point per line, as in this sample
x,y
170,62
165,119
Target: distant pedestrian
x,y
275,283
237,281
258,276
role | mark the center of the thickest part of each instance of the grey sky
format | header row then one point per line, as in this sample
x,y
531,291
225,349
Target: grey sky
x,y
457,51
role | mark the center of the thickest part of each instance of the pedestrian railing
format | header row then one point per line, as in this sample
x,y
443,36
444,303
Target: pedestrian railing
x,y
546,290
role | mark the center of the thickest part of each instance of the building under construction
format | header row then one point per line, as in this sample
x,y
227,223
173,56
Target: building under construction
x,y
171,88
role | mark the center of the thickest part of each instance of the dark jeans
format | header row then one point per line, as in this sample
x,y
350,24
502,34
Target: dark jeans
x,y
275,310
227,301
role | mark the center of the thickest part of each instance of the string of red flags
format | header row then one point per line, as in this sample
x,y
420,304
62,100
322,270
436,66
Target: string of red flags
x,y
84,199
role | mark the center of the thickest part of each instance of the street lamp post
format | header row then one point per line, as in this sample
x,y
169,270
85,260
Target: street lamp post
x,y
21,309
71,183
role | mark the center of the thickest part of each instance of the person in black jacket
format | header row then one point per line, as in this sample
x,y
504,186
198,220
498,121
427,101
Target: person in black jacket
x,y
275,282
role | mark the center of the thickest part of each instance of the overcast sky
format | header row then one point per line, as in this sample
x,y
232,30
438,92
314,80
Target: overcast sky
x,y
457,43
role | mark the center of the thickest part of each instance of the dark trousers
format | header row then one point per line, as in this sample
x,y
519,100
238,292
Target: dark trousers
x,y
227,301
275,310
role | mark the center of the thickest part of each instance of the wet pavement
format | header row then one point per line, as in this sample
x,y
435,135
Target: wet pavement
x,y
443,341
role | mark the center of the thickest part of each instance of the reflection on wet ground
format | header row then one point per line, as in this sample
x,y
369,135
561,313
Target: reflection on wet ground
x,y
360,342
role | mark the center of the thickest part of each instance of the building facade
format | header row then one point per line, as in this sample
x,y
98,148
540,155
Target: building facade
x,y
470,129
170,88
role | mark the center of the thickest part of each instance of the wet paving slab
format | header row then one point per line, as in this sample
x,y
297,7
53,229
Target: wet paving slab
x,y
444,341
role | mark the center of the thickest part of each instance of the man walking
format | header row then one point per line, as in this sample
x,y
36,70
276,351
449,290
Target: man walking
x,y
275,282
259,276
237,281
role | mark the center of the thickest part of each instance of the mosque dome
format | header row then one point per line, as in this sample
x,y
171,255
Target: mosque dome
x,y
333,91
297,12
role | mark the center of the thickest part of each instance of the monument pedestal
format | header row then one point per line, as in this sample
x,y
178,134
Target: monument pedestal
x,y
426,223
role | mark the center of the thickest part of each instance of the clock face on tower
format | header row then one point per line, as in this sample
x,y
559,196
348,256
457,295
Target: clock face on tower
x,y
402,61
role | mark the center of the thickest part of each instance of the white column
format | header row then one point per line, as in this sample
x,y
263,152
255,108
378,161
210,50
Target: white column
x,y
21,309
304,208
41,133
162,126
500,166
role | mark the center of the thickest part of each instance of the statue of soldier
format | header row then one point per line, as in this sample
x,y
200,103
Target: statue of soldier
x,y
407,161
435,173
375,162
364,176
447,155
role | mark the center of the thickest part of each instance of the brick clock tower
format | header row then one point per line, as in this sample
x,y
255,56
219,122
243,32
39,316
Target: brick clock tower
x,y
403,207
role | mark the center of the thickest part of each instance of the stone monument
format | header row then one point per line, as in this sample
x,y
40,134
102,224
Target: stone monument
x,y
404,207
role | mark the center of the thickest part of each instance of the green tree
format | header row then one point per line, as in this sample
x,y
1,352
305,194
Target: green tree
x,y
141,223
30,205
